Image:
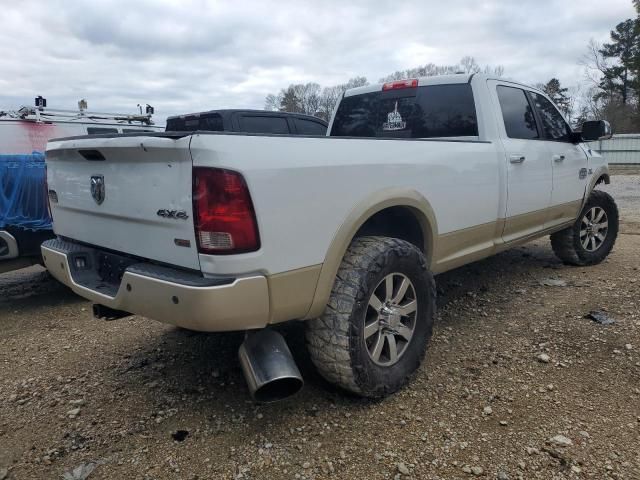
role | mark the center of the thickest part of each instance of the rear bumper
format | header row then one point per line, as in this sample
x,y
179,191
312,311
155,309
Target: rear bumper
x,y
164,294
8,246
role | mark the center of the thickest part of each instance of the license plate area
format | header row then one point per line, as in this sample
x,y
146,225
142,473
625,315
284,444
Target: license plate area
x,y
97,270
111,267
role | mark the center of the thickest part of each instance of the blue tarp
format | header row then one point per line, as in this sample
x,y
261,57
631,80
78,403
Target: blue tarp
x,y
23,192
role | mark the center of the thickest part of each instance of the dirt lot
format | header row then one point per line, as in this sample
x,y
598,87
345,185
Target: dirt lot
x,y
136,399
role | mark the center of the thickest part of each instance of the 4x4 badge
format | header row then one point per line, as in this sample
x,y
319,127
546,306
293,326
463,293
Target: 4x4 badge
x,y
97,188
166,213
583,173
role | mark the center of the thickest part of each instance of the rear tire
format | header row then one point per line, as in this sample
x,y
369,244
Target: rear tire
x,y
374,332
591,238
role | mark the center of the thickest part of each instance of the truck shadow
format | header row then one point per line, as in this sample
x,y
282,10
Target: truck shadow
x,y
32,289
203,369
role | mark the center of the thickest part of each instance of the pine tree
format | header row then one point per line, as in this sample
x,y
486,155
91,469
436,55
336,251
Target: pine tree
x,y
558,94
289,101
621,77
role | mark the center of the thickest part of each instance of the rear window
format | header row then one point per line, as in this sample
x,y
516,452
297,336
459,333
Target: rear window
x,y
263,124
423,112
309,127
208,122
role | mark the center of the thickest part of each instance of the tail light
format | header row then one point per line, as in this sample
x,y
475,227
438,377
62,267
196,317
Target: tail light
x,y
225,220
397,85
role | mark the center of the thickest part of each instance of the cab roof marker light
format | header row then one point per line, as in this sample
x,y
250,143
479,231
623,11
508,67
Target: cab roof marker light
x,y
400,84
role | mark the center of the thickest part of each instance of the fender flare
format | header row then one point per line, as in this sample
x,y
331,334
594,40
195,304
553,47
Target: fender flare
x,y
601,172
363,211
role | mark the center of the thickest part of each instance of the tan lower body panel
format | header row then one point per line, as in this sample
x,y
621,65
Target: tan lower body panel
x,y
523,225
561,214
454,249
291,293
463,246
458,248
527,224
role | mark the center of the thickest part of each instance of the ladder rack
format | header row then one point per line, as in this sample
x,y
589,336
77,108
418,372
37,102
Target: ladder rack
x,y
41,114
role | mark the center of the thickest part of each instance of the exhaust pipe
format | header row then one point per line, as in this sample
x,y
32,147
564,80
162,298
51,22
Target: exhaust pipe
x,y
268,366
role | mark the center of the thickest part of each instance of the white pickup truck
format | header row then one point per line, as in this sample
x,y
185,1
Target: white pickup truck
x,y
219,231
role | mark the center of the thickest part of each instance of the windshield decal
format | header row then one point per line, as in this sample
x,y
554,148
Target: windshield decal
x,y
394,121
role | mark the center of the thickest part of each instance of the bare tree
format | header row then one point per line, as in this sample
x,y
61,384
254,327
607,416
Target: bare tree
x,y
467,64
330,96
272,102
308,95
312,99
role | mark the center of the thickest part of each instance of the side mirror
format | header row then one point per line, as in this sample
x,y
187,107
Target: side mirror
x,y
596,130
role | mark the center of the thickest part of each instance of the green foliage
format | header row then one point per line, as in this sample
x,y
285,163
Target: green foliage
x,y
614,69
558,95
621,77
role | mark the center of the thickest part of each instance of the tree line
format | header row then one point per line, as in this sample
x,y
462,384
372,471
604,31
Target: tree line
x,y
612,71
611,90
313,99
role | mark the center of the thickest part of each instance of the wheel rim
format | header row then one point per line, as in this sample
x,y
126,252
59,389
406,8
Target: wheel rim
x,y
593,229
390,319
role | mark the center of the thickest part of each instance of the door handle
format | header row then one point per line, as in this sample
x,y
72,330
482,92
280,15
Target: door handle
x,y
517,158
558,158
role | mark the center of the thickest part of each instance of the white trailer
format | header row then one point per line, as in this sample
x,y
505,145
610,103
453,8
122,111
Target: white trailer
x,y
28,129
24,217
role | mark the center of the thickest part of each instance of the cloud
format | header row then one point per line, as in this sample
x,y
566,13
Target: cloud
x,y
185,56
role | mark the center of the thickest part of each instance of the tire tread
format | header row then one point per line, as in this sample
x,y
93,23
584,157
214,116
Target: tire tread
x,y
328,337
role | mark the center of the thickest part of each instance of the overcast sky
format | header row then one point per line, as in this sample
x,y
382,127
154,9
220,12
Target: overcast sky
x,y
185,56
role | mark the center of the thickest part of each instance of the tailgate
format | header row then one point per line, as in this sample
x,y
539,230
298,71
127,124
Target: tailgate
x,y
131,194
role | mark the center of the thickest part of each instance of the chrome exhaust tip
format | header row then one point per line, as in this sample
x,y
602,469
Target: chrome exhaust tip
x,y
268,366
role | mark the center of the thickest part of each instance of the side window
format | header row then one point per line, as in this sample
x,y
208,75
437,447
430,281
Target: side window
x,y
309,127
554,126
263,124
519,121
445,111
210,122
100,130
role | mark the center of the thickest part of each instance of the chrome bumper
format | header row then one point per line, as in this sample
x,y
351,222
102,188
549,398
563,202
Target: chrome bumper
x,y
164,294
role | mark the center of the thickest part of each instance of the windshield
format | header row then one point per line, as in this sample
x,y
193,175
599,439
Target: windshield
x,y
423,112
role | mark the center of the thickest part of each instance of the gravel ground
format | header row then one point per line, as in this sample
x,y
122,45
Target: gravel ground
x,y
517,383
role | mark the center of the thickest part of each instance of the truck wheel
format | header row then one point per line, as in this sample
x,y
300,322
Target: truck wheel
x,y
592,236
374,332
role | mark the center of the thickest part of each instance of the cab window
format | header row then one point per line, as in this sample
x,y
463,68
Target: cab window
x,y
309,127
208,122
553,125
100,130
517,114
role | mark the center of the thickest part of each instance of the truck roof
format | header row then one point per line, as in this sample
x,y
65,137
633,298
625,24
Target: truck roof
x,y
434,80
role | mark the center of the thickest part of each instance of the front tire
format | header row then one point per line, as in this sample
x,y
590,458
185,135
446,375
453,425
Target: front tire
x,y
374,332
591,238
